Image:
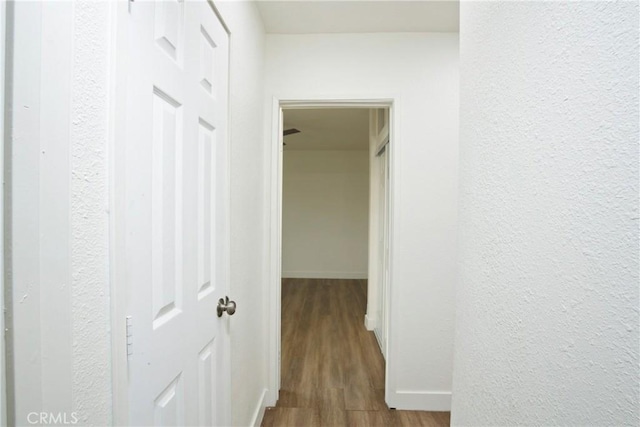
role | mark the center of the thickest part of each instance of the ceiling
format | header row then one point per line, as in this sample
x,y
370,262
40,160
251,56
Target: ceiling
x,y
344,129
359,16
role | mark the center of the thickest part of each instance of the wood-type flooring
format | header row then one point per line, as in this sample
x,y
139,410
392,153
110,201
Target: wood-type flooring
x,y
332,369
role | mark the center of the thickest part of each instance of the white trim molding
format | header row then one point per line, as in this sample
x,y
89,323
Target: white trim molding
x,y
258,413
118,76
324,274
438,401
273,124
370,322
3,378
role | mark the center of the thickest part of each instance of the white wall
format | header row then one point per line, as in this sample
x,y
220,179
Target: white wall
x,y
248,217
422,70
547,319
325,211
58,209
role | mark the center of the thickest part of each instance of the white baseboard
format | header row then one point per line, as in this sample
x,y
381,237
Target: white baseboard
x,y
376,333
324,274
369,322
438,401
258,414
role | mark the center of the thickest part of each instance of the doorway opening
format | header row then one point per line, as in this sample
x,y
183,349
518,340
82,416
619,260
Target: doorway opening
x,y
325,197
332,245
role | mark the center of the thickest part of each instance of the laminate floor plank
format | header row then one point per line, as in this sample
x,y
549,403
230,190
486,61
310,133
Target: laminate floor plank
x,y
417,419
291,417
369,419
359,398
442,418
332,369
333,418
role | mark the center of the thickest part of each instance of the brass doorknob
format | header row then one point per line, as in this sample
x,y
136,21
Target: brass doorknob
x,y
226,305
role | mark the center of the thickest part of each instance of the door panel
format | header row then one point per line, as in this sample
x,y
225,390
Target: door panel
x,y
207,383
168,29
169,405
166,208
177,221
206,194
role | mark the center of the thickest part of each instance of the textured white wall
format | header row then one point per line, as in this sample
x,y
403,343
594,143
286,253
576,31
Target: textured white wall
x,y
547,301
91,382
59,223
248,217
325,214
422,71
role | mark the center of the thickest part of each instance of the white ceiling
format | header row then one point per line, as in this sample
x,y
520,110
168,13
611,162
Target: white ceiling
x,y
327,129
359,16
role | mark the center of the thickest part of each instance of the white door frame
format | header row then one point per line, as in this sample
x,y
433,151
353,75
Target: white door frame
x,y
275,207
375,319
117,133
3,380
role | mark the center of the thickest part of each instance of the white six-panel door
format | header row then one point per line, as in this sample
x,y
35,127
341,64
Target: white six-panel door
x,y
176,216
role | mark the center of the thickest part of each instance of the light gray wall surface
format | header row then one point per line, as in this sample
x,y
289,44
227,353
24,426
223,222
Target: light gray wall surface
x,y
325,212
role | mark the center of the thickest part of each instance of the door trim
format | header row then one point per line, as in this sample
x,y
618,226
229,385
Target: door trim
x,y
278,104
3,346
118,57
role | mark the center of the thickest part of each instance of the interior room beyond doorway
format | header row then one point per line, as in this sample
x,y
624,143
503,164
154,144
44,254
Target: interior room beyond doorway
x,y
325,193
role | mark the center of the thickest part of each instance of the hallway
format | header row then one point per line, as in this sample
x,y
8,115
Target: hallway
x,y
332,368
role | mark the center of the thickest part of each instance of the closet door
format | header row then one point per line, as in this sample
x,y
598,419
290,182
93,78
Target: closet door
x,y
176,250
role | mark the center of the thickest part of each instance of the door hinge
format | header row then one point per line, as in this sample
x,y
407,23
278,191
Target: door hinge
x,y
129,329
